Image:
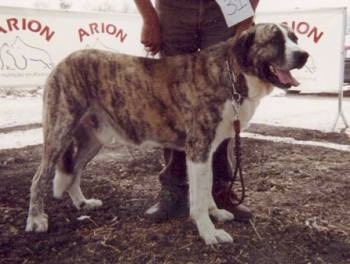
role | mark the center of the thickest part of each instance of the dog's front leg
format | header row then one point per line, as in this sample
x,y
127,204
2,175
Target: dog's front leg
x,y
201,201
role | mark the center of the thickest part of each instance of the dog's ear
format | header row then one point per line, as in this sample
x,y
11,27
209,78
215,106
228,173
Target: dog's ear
x,y
242,47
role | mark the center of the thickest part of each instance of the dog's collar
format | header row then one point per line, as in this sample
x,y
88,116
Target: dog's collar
x,y
239,88
238,83
236,96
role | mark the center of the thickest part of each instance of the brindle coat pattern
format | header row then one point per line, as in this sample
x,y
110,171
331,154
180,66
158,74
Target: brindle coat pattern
x,y
178,102
166,94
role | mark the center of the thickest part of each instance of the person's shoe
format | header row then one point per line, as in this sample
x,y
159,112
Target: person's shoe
x,y
168,206
227,199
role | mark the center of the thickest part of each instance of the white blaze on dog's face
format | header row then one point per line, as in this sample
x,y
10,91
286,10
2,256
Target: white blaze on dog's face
x,y
270,52
295,56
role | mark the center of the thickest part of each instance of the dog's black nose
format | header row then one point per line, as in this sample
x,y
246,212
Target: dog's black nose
x,y
300,58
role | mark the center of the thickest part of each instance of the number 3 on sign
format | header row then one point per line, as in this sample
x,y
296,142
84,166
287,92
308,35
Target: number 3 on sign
x,y
235,11
235,6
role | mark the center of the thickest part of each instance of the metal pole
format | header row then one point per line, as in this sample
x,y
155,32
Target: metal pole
x,y
340,113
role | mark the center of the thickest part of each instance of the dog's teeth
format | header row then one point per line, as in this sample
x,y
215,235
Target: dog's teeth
x,y
272,69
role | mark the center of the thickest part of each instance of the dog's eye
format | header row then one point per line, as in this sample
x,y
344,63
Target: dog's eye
x,y
293,37
277,39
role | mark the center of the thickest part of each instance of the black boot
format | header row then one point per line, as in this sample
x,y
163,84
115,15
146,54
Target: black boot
x,y
173,196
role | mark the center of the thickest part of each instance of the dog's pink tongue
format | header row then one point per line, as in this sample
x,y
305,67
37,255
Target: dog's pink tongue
x,y
286,77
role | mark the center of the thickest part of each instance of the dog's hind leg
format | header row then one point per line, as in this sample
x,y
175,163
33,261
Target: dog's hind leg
x,y
86,151
58,127
70,168
37,219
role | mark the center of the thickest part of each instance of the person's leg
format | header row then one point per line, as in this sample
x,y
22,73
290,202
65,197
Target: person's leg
x,y
224,197
173,197
185,31
179,36
213,30
179,26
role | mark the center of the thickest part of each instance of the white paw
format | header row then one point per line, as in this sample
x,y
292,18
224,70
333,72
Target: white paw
x,y
221,215
217,236
90,204
37,223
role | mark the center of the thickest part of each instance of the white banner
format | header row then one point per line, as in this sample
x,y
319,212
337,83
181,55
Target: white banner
x,y
321,32
33,41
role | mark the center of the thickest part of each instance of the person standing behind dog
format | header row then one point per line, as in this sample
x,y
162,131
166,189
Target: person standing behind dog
x,y
182,27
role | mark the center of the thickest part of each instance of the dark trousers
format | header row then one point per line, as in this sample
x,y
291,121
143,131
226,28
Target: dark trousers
x,y
189,26
174,175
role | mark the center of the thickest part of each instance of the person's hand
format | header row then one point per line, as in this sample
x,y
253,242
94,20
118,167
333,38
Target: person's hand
x,y
151,35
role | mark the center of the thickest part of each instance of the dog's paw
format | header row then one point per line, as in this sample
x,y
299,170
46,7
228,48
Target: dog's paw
x,y
216,237
90,204
221,215
37,223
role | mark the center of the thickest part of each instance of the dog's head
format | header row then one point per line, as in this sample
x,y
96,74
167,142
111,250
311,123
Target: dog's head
x,y
270,51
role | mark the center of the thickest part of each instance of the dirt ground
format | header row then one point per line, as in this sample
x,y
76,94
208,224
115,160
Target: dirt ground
x,y
300,196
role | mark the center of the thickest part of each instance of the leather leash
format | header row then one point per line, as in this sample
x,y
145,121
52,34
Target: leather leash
x,y
237,100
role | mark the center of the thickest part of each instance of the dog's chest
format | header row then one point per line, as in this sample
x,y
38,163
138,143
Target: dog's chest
x,y
246,111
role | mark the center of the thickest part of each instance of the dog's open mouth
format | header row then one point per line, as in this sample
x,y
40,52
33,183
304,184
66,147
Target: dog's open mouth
x,y
284,76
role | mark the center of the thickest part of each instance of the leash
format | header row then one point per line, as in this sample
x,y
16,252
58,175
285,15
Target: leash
x,y
237,100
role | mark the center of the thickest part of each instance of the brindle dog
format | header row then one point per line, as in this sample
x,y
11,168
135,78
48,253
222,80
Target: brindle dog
x,y
181,102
